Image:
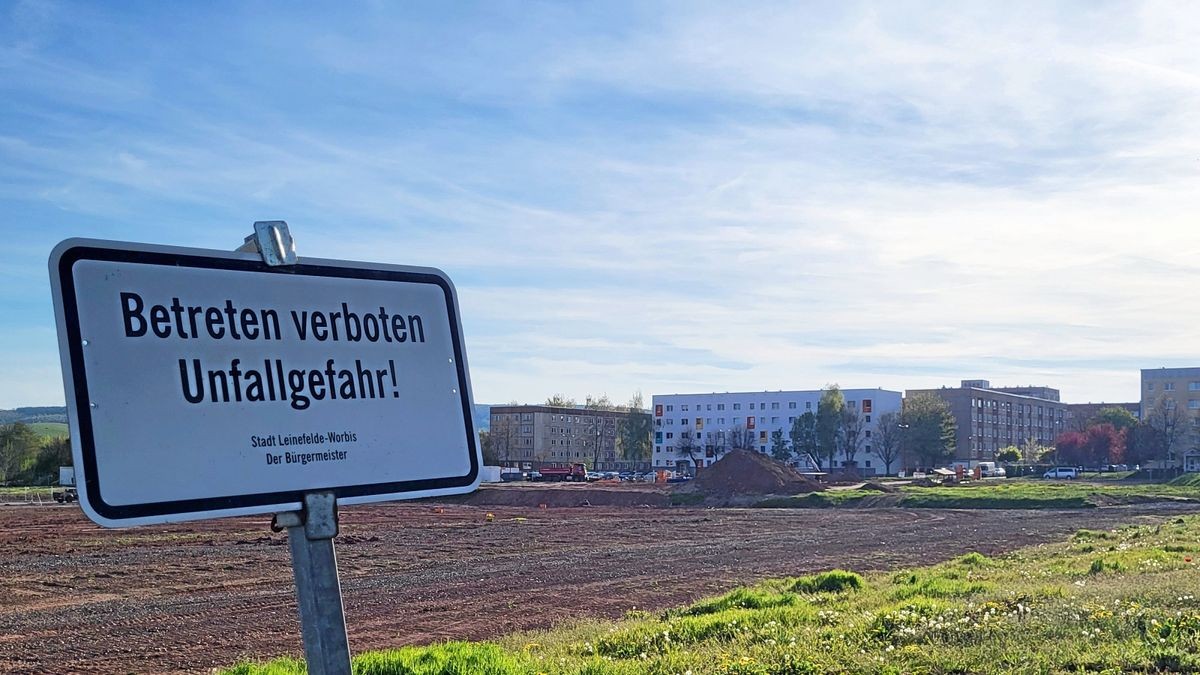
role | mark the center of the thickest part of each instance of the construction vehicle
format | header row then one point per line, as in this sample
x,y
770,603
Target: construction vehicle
x,y
563,472
66,481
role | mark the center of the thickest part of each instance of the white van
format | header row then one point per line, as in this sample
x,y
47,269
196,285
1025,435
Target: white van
x,y
991,470
1062,472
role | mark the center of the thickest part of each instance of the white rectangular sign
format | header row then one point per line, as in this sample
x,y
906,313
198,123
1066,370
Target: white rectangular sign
x,y
204,384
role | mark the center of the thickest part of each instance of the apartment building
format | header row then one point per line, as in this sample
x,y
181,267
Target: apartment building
x,y
530,435
1177,391
712,418
991,418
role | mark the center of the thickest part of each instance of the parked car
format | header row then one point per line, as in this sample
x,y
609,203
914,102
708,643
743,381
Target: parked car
x,y
1062,473
593,476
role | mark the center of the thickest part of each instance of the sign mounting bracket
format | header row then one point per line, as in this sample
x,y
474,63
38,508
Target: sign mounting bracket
x,y
273,240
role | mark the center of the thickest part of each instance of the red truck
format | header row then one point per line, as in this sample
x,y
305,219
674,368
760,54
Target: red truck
x,y
564,472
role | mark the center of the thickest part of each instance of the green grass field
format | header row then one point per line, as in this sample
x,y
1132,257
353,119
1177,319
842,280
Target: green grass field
x,y
1014,494
50,429
17,494
1103,602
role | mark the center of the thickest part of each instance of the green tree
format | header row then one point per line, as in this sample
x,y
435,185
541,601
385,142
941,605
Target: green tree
x,y
829,424
19,445
779,446
888,440
804,435
634,430
1010,454
1120,418
929,429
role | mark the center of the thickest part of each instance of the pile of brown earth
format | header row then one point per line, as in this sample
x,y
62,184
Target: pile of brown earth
x,y
744,472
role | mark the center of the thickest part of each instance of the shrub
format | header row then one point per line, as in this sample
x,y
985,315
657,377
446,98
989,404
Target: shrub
x,y
833,581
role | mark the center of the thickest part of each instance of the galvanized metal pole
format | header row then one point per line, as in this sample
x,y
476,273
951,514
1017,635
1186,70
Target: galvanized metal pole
x,y
318,589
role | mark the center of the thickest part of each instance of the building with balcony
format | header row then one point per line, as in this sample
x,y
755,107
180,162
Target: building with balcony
x,y
711,420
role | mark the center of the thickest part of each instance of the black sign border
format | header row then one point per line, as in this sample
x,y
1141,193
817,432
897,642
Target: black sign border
x,y
183,507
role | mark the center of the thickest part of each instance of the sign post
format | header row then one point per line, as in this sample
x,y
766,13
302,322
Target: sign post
x,y
318,592
208,384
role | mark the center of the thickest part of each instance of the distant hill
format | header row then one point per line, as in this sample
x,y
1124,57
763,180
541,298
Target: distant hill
x,y
32,415
482,415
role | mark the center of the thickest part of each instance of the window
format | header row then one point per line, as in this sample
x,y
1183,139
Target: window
x,y
762,420
808,405
868,433
683,408
1149,386
708,407
684,421
791,405
752,406
720,406
1168,386
670,434
737,406
720,420
1193,386
670,422
774,406
868,419
1193,404
791,420
762,406
762,435
774,420
762,448
670,408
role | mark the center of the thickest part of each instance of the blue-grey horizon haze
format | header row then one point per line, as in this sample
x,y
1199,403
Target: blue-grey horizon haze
x,y
655,197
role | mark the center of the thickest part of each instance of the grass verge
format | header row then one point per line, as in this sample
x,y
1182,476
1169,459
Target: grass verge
x,y
1105,601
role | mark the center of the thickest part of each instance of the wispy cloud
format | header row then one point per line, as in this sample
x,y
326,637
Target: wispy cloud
x,y
654,197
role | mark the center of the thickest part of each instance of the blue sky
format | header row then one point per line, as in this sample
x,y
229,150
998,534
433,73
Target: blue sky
x,y
665,197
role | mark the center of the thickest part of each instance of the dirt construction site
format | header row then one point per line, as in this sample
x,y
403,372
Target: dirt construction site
x,y
191,597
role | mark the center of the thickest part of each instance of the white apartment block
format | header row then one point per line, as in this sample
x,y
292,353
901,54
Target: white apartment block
x,y
711,417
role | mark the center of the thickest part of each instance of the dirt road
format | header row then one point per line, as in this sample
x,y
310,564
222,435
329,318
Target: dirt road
x,y
187,598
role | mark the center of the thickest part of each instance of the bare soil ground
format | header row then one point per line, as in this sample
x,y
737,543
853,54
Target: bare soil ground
x,y
187,598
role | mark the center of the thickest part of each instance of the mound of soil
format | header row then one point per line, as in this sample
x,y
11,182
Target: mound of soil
x,y
881,487
743,472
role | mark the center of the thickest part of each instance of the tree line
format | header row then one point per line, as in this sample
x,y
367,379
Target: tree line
x,y
29,459
1115,436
